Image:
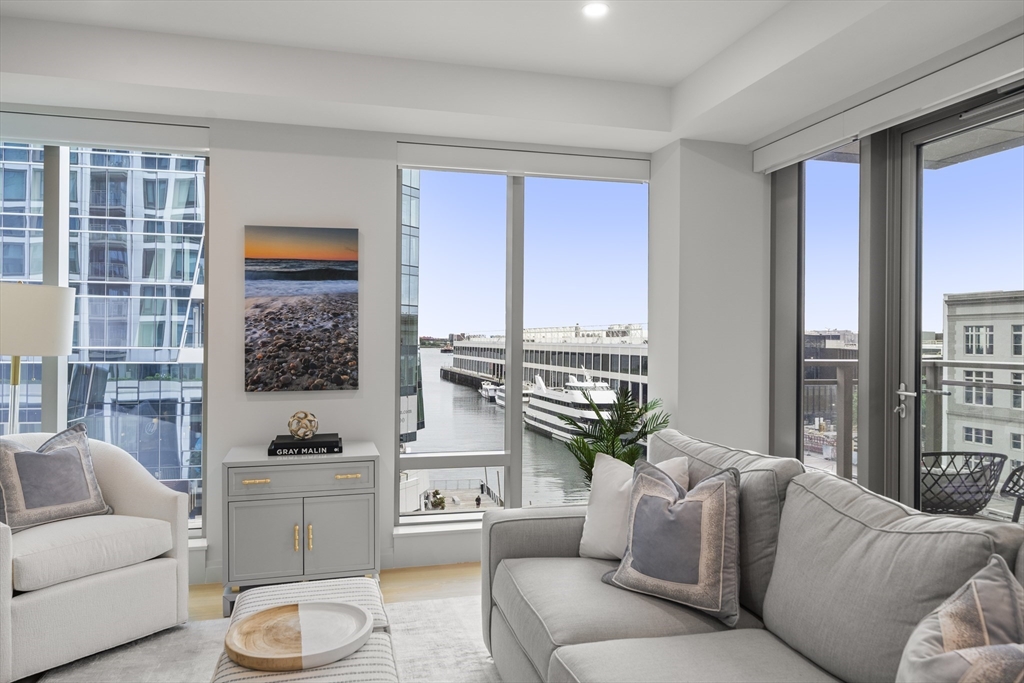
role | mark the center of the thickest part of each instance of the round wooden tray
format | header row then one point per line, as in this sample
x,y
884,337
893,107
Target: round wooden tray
x,y
298,636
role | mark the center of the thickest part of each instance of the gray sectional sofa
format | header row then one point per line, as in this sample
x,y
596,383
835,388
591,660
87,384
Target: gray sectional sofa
x,y
833,580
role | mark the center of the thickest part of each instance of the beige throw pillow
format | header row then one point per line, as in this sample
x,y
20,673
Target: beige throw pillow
x,y
604,530
976,636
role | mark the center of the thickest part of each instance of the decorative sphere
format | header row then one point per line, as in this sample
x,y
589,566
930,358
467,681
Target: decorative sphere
x,y
303,425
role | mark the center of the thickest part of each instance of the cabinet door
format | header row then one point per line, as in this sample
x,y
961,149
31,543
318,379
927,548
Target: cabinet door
x,y
263,541
341,539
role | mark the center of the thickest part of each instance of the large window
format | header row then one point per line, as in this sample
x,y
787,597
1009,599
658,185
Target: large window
x,y
136,370
583,307
830,307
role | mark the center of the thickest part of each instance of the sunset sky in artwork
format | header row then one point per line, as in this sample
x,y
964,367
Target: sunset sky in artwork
x,y
313,244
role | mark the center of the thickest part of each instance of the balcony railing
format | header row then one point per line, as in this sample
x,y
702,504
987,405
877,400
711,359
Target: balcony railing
x,y
838,443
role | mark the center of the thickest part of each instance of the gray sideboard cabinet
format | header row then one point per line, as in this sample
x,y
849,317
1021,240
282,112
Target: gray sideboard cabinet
x,y
298,518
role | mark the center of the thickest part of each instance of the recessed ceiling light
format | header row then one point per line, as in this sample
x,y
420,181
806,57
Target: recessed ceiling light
x,y
595,9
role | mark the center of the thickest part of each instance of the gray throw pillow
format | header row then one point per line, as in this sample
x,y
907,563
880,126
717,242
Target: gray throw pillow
x,y
54,482
681,546
975,636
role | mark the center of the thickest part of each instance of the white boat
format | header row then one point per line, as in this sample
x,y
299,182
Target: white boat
x,y
488,390
547,404
499,396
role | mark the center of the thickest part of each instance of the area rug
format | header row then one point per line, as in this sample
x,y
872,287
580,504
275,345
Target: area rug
x,y
435,641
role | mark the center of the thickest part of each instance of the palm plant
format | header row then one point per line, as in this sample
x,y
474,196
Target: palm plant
x,y
618,435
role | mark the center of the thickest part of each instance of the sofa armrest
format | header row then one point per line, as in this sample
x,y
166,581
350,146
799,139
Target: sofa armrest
x,y
6,593
534,532
130,489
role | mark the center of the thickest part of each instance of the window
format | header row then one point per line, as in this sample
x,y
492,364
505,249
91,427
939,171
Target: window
x,y
977,395
1018,395
831,232
1015,442
979,340
453,362
978,435
1017,340
13,260
124,369
184,193
155,193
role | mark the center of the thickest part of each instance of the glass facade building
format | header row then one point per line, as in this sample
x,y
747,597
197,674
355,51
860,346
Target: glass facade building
x,y
410,375
135,258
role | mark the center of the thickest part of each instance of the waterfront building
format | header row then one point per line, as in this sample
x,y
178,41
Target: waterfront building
x,y
616,354
410,377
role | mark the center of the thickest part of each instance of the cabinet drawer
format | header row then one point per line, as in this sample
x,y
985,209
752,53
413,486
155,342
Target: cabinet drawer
x,y
255,481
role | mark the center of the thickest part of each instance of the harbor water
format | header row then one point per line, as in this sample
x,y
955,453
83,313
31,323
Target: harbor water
x,y
459,419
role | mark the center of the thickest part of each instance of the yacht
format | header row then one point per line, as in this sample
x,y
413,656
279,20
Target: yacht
x,y
489,390
499,396
547,404
447,348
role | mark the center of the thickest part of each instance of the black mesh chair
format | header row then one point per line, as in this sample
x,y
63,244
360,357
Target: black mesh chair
x,y
1013,487
959,483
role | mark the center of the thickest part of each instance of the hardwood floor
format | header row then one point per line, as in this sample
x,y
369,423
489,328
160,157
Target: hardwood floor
x,y
397,585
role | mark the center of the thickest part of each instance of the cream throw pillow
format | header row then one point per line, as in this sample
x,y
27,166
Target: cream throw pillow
x,y
604,530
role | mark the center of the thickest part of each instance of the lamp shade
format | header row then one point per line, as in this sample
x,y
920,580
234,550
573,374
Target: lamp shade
x,y
36,320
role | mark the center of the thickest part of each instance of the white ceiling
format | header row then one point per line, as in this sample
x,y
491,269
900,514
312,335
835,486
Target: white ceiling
x,y
522,71
655,42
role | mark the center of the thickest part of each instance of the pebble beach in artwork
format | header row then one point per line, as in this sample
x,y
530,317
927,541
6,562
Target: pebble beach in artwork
x,y
302,343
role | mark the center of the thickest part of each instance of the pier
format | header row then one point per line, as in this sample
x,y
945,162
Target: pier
x,y
466,378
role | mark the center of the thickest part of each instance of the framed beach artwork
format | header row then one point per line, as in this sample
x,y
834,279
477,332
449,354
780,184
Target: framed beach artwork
x,y
301,308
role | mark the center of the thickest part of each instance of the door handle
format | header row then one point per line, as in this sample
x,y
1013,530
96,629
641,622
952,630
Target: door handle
x,y
296,538
903,393
309,536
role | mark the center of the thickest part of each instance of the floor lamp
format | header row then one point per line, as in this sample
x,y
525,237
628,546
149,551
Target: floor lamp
x,y
35,320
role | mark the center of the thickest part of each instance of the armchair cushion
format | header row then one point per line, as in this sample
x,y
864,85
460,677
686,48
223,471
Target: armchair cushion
x,y
53,553
52,482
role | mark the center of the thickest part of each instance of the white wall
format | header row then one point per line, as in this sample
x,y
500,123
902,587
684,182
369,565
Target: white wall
x,y
663,289
267,174
709,287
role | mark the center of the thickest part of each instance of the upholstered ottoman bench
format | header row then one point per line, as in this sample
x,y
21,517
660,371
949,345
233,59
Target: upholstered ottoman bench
x,y
372,663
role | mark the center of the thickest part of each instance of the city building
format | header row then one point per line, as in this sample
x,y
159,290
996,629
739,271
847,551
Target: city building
x,y
616,354
136,261
982,358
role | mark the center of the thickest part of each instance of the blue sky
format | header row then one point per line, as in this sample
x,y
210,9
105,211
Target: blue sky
x,y
973,236
586,245
585,253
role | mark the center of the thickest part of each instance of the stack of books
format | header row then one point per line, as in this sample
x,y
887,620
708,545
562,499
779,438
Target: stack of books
x,y
318,444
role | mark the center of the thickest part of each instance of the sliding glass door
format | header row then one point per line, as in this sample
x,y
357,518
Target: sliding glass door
x,y
962,310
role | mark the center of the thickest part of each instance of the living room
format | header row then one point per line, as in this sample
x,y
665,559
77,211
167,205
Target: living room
x,y
761,212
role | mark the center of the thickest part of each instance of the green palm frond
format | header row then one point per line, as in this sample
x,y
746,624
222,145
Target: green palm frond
x,y
618,433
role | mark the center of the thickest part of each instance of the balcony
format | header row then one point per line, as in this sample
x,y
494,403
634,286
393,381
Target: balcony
x,y
830,440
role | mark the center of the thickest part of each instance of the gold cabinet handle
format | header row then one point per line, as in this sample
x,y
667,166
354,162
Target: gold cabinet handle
x,y
309,531
357,475
296,538
247,482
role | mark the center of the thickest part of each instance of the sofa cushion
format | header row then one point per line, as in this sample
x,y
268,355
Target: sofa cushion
x,y
604,531
856,572
553,601
974,635
53,553
763,482
683,546
756,656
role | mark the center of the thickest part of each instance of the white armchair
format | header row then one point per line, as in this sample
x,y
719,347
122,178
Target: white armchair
x,y
72,588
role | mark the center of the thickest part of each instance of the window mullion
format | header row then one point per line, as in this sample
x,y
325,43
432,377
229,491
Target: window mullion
x,y
514,259
56,194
